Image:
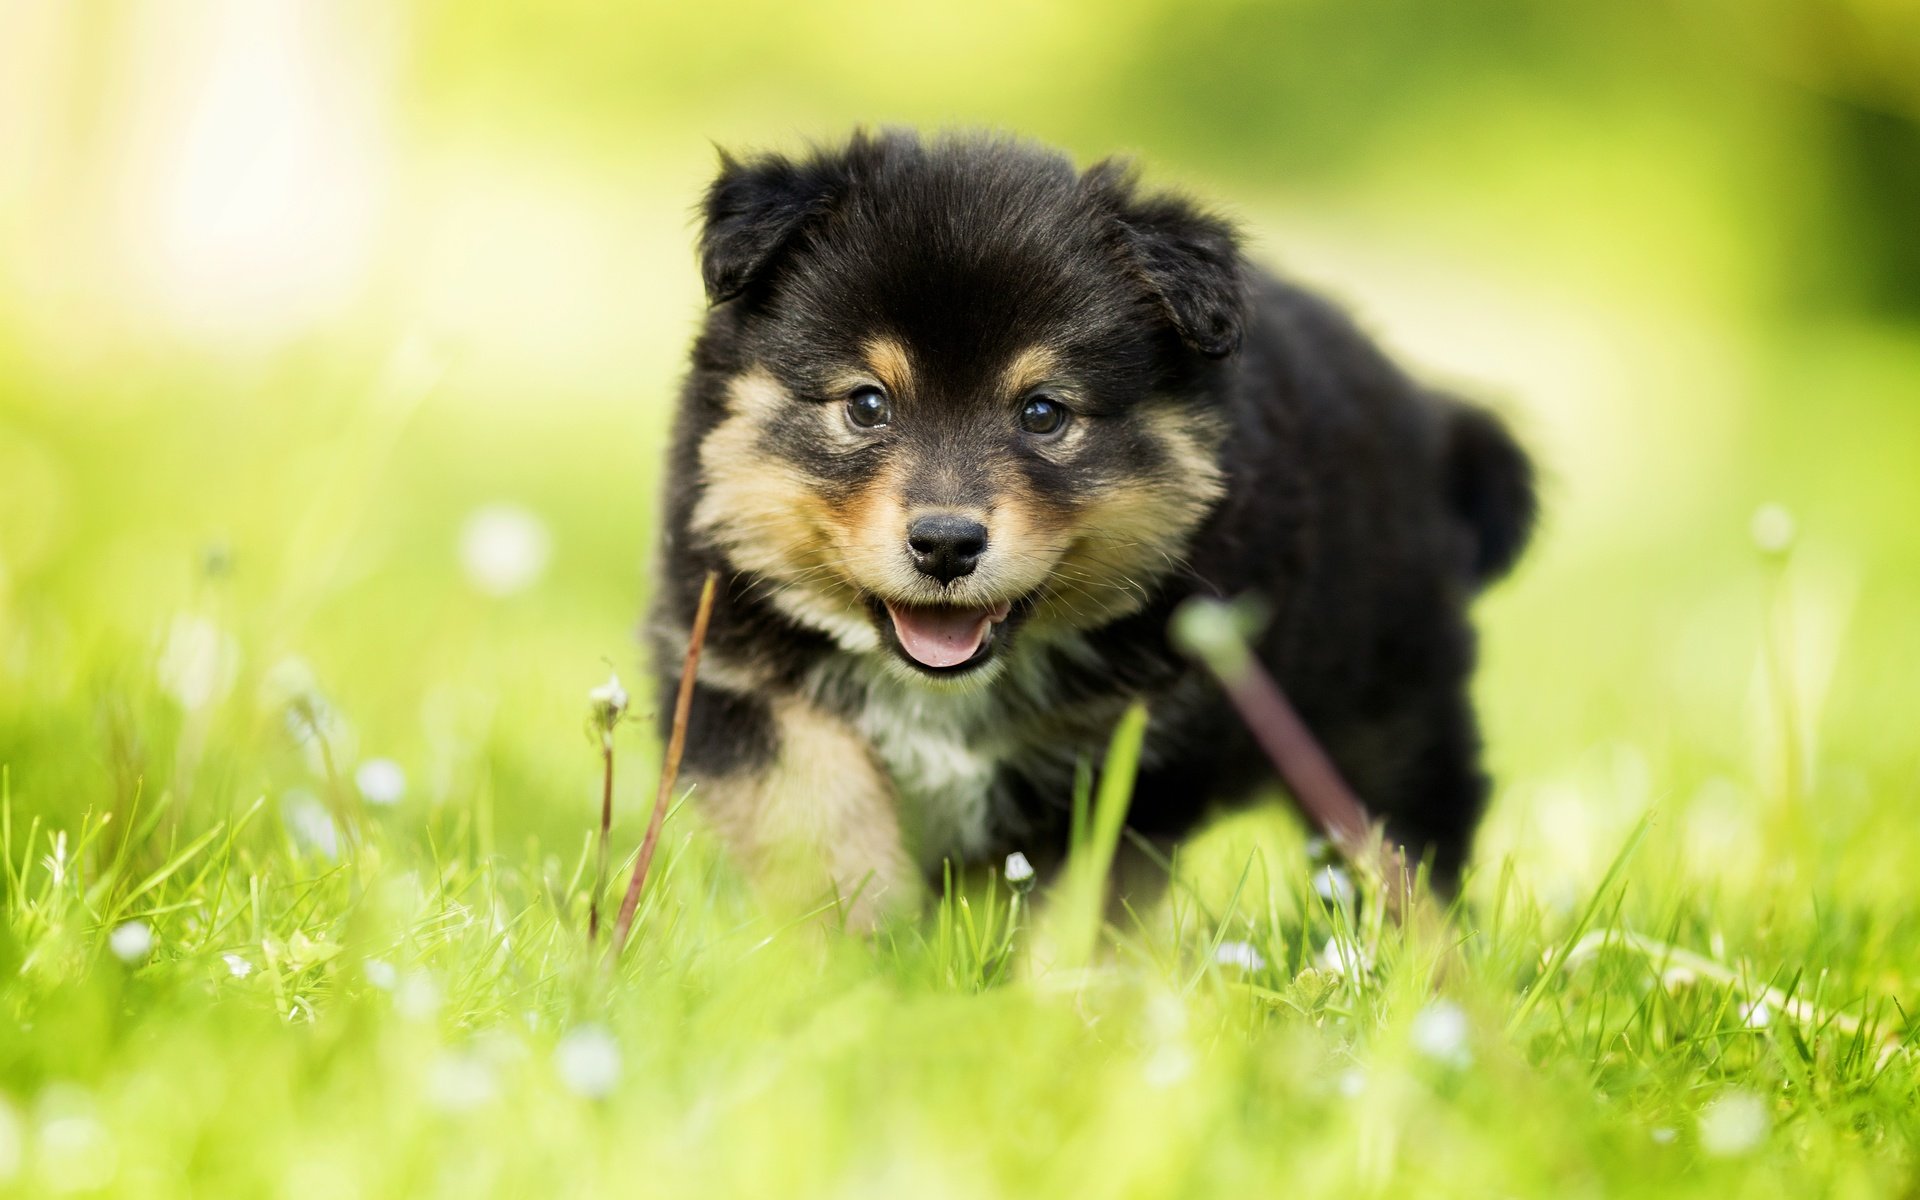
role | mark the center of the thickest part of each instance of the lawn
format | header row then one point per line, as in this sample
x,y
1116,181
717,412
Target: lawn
x,y
304,589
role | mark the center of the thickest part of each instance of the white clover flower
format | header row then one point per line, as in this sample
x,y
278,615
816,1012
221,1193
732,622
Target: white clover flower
x,y
237,966
1440,1031
588,1062
504,549
1734,1124
1772,529
381,781
131,942
1019,872
1244,955
1334,885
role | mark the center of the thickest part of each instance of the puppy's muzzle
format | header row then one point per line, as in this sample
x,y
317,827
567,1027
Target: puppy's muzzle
x,y
946,545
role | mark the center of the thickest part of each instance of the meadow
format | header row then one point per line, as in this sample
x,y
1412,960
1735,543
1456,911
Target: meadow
x,y
324,508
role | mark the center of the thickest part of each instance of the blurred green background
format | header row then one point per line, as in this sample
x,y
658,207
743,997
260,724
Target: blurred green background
x,y
340,338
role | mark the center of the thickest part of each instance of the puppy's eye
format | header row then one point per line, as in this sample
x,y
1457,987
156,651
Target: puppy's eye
x,y
1042,415
868,408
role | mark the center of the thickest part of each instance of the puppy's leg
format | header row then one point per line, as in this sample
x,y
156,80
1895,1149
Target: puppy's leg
x,y
1436,801
802,803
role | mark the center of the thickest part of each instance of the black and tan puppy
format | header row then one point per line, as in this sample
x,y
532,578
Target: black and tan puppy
x,y
963,427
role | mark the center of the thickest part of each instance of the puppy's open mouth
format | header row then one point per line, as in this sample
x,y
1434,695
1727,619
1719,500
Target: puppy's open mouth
x,y
947,638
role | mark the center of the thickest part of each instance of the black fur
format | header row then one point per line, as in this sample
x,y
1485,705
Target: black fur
x,y
1365,509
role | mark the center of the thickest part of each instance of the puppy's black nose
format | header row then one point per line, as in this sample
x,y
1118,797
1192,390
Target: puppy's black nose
x,y
946,546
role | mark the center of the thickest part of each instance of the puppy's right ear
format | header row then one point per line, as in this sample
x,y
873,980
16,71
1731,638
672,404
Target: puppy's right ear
x,y
752,210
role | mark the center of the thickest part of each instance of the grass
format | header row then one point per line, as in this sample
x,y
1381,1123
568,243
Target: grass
x,y
235,962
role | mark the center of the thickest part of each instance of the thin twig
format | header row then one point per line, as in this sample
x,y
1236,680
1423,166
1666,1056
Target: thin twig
x,y
1205,631
606,832
669,767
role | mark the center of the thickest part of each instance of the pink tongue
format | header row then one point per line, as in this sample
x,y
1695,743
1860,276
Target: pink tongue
x,y
943,637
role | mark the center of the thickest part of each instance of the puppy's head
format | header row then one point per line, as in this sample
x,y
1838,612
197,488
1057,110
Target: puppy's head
x,y
962,391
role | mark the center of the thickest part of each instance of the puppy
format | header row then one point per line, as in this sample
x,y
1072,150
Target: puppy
x,y
964,425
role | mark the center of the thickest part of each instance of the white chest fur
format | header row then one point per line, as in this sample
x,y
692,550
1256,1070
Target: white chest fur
x,y
941,751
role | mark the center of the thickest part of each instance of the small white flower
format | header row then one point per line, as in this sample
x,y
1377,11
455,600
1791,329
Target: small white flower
x,y
310,824
131,942
1772,529
1756,1014
1168,1065
1352,1082
1244,955
1440,1032
1334,885
588,1062
198,663
380,974
1343,956
1734,1124
1019,872
237,966
458,1083
504,549
416,996
609,702
1663,1135
381,781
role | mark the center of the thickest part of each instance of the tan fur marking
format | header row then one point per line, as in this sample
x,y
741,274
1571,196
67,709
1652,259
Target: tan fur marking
x,y
1133,534
770,520
888,361
820,821
1031,367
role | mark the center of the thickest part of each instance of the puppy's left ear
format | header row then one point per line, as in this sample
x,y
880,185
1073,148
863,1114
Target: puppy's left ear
x,y
1191,261
752,210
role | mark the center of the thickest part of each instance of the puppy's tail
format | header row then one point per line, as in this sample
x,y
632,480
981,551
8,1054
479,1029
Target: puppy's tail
x,y
1489,486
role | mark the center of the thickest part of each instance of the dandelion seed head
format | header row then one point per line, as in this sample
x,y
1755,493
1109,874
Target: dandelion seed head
x,y
131,942
504,549
1734,1124
588,1062
609,702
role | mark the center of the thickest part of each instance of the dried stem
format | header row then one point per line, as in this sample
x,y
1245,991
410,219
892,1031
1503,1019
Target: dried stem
x,y
1205,631
669,767
606,833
